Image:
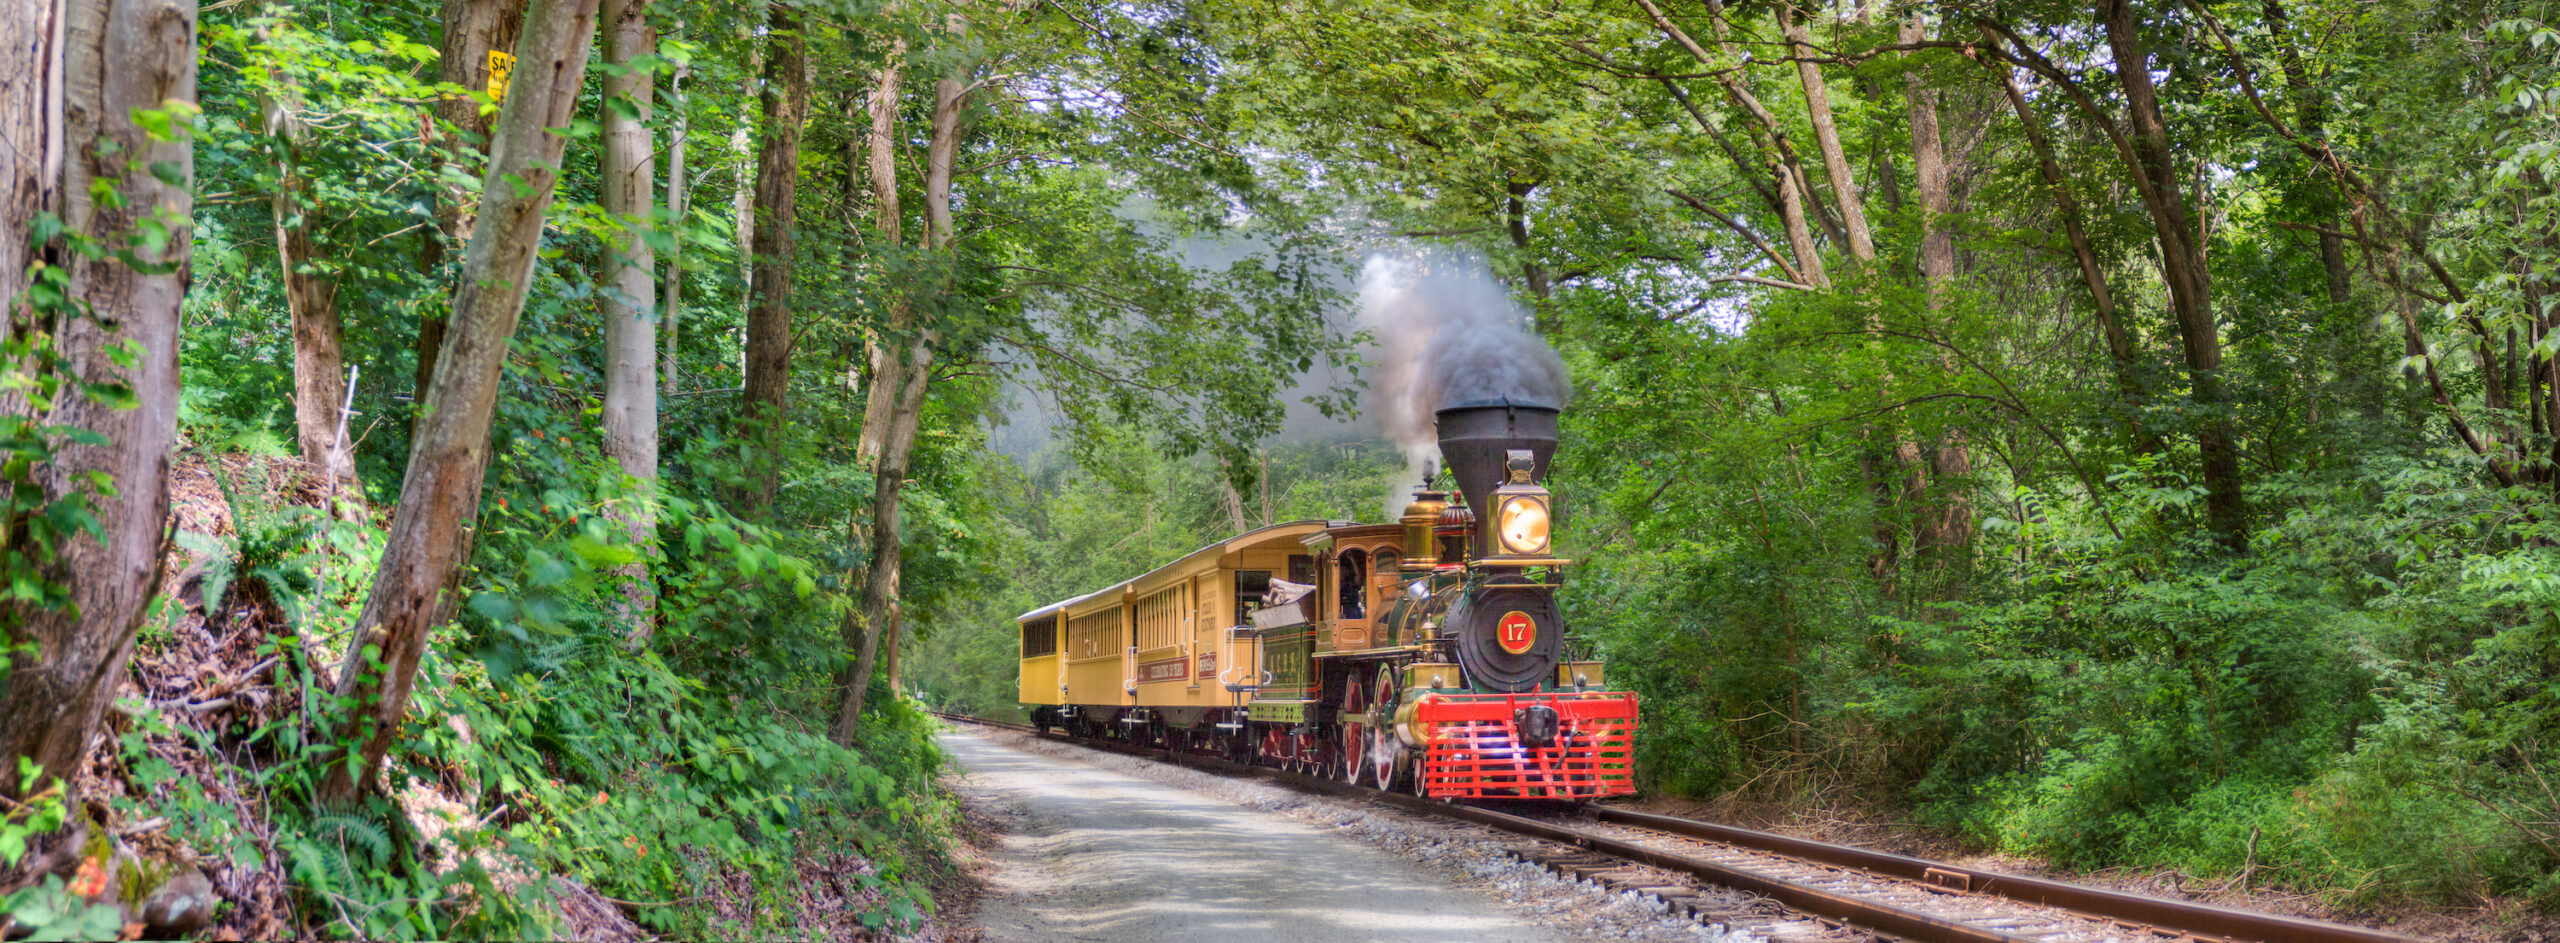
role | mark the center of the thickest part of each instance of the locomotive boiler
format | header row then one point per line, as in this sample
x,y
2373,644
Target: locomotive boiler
x,y
1427,654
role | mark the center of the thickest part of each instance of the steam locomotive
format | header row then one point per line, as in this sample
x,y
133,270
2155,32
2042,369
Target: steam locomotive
x,y
1424,655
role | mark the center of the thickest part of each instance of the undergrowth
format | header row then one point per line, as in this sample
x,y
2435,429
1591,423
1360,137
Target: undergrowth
x,y
686,783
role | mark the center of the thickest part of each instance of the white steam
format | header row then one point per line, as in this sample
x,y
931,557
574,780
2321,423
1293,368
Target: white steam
x,y
1445,333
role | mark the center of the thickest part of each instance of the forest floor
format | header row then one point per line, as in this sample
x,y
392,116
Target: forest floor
x,y
2489,922
173,759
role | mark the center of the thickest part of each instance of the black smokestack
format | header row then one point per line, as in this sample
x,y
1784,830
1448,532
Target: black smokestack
x,y
1477,438
1446,333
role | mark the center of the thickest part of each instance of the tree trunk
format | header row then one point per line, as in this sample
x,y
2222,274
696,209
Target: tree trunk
x,y
679,205
768,385
1799,236
742,198
319,349
2183,268
76,72
1835,162
910,372
2311,111
1516,222
630,348
311,300
472,30
1945,527
1929,174
863,626
448,457
888,219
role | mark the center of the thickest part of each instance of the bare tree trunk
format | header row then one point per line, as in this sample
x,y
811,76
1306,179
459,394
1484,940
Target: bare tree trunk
x,y
1235,503
448,457
630,349
888,219
1929,173
864,626
319,347
2182,265
861,628
472,30
1835,162
679,205
1945,527
311,300
768,384
1799,236
72,75
742,198
910,371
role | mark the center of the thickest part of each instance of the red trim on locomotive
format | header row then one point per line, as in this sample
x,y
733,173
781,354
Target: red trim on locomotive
x,y
1473,751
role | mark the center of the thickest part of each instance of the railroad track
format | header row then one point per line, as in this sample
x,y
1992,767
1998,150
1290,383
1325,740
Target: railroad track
x,y
1835,886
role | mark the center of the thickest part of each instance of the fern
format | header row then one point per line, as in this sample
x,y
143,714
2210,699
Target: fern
x,y
220,562
363,831
322,853
320,867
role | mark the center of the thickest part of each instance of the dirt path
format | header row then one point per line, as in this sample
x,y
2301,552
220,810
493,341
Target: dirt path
x,y
1092,855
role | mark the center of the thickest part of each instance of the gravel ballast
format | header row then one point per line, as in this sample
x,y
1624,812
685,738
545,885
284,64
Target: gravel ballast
x,y
1104,847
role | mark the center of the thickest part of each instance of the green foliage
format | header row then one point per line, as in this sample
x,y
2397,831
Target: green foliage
x,y
47,911
39,812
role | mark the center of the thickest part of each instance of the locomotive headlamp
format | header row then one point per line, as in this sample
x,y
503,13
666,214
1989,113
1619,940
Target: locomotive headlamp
x,y
1522,515
1524,525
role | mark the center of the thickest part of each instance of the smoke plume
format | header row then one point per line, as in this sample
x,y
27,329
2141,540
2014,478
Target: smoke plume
x,y
1445,333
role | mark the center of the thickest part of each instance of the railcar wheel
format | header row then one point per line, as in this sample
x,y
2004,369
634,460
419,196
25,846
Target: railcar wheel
x,y
1351,735
1382,757
1382,735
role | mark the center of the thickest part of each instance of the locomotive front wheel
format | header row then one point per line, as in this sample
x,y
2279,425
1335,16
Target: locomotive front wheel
x,y
1382,757
1355,740
1382,738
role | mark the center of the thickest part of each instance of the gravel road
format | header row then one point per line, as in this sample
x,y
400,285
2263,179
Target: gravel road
x,y
1093,855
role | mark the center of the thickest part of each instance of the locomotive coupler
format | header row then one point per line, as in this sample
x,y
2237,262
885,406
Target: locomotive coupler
x,y
1537,725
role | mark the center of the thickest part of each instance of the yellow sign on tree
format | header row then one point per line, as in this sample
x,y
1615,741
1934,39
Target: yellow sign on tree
x,y
499,63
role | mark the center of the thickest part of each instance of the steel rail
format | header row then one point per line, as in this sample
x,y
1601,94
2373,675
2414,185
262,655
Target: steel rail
x,y
1865,914
2186,916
